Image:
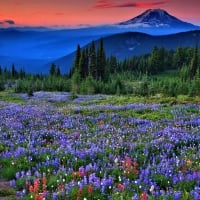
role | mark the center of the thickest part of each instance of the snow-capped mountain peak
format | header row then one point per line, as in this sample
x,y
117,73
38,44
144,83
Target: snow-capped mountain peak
x,y
156,18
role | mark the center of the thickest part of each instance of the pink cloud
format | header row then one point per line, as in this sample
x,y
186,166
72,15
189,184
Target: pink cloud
x,y
102,4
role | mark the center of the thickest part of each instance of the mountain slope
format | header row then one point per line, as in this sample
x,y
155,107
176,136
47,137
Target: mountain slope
x,y
125,45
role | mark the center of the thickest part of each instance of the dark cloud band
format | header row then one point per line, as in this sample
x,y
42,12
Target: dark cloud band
x,y
7,21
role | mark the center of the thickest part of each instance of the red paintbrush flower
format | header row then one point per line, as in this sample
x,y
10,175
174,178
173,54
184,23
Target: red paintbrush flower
x,y
89,189
144,196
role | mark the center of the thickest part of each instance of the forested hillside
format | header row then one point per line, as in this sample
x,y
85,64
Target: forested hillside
x,y
169,72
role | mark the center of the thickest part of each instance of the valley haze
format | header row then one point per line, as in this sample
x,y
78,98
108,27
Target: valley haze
x,y
35,48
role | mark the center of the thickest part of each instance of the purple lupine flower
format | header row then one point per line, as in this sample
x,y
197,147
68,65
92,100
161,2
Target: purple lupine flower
x,y
177,195
17,175
135,197
54,196
12,183
196,195
76,135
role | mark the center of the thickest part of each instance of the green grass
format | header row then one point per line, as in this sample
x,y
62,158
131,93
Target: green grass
x,y
128,99
10,96
148,114
7,192
166,102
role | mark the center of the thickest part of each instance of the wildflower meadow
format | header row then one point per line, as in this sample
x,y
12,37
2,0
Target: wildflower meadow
x,y
81,151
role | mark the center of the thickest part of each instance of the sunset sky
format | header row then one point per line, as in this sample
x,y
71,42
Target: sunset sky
x,y
73,13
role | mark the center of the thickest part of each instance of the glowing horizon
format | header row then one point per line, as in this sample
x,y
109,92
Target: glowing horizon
x,y
71,13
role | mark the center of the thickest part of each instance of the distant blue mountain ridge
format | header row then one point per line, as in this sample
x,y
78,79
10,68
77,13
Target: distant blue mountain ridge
x,y
35,48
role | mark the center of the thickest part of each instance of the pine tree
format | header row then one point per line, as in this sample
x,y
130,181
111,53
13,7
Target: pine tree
x,y
89,85
77,58
1,80
101,61
169,59
7,73
92,61
179,58
75,84
161,57
2,87
58,71
22,73
13,71
52,70
83,64
198,66
184,72
112,65
154,61
194,63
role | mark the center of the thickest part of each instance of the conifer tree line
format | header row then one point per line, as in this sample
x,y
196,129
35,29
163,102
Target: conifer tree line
x,y
92,69
95,72
90,61
28,83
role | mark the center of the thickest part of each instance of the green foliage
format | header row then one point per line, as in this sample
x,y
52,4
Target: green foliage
x,y
161,198
116,173
122,195
7,192
20,183
184,71
185,185
156,60
2,148
9,172
49,83
162,181
30,92
194,63
2,85
75,84
52,182
89,85
179,58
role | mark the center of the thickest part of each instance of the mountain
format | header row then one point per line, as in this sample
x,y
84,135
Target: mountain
x,y
126,45
32,47
158,19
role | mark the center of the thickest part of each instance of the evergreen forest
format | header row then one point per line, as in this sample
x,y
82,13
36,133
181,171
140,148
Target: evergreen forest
x,y
163,71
